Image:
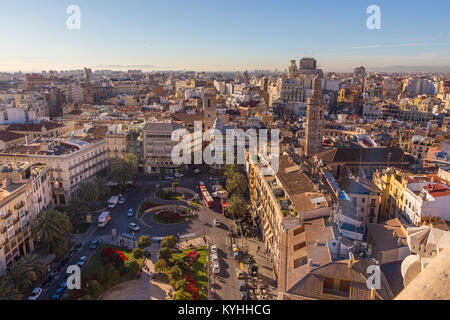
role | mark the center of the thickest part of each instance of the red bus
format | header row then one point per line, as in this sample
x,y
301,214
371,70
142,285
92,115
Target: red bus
x,y
224,204
209,201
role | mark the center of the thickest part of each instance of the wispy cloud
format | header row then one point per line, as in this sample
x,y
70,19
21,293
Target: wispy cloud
x,y
403,45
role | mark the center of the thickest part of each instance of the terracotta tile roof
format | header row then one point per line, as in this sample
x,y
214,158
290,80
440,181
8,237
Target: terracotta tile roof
x,y
363,155
7,136
35,127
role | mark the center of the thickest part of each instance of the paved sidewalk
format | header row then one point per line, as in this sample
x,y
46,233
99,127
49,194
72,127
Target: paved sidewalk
x,y
143,288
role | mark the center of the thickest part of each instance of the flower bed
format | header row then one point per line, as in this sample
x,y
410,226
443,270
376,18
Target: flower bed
x,y
192,286
168,217
107,252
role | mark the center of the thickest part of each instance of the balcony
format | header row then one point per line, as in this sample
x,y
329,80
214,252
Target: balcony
x,y
19,205
7,215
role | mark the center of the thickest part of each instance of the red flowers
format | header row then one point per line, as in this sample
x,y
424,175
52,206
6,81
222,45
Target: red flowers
x,y
194,255
192,286
107,252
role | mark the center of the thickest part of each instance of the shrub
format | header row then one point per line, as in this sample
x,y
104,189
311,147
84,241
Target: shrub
x,y
164,254
93,288
109,275
161,265
169,242
132,266
144,242
138,253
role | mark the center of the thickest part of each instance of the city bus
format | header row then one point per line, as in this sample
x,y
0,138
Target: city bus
x,y
209,201
224,204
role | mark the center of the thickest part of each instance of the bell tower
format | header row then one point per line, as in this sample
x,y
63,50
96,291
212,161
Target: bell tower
x,y
314,119
209,108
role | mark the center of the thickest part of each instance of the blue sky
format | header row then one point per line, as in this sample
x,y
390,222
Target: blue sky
x,y
221,35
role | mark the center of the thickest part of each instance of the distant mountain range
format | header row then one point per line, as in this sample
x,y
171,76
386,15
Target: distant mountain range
x,y
406,69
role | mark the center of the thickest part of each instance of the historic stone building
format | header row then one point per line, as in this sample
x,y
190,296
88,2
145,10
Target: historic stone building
x,y
314,120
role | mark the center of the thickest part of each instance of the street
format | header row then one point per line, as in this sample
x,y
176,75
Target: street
x,y
224,286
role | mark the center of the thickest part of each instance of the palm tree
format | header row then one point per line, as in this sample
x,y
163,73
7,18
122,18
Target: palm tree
x,y
174,187
8,291
19,275
51,227
236,183
237,206
36,265
132,160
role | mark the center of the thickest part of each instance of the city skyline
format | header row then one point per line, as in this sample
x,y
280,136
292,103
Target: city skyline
x,y
222,37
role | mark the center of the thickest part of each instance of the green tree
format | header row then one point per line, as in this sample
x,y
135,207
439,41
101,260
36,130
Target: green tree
x,y
88,191
103,190
19,275
182,295
8,291
237,206
51,227
164,253
77,210
181,284
160,266
132,266
144,242
124,169
93,288
35,264
169,242
108,275
236,183
230,169
138,253
175,273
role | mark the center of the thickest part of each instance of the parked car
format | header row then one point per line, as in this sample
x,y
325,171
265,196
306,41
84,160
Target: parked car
x,y
213,249
216,268
244,295
216,222
82,261
134,227
179,175
242,285
35,294
122,200
239,274
130,213
94,244
214,257
58,294
197,171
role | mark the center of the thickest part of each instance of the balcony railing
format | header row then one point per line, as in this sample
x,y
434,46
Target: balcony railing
x,y
19,205
7,215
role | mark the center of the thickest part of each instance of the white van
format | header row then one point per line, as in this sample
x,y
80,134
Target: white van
x,y
104,218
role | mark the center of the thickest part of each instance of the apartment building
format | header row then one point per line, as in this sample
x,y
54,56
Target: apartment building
x,y
116,141
25,191
158,146
426,200
70,162
281,203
